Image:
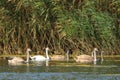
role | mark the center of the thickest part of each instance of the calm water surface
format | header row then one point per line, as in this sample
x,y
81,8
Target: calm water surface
x,y
61,70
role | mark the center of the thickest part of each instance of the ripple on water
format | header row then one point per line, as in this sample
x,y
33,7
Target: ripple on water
x,y
61,71
57,76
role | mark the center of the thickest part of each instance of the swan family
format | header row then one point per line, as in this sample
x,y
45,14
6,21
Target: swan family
x,y
19,60
39,58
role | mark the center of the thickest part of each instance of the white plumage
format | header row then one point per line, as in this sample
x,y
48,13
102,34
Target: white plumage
x,y
40,57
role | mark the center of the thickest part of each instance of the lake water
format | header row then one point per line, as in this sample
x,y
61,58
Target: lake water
x,y
109,69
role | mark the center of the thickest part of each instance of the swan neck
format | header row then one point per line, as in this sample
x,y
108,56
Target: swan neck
x,y
101,56
28,55
47,57
67,55
94,55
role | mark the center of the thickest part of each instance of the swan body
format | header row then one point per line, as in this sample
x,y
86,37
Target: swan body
x,y
16,60
40,57
57,57
19,60
84,59
60,57
87,58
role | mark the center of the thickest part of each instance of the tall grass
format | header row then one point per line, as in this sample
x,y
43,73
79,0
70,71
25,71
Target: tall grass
x,y
59,24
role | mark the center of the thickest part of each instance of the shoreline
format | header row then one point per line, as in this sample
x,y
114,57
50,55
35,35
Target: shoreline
x,y
6,55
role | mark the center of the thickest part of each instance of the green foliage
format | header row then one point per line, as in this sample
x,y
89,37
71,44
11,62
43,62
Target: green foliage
x,y
58,24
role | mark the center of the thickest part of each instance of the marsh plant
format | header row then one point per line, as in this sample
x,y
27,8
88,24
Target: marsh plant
x,y
59,24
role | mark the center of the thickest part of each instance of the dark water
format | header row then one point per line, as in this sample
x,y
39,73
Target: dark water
x,y
61,70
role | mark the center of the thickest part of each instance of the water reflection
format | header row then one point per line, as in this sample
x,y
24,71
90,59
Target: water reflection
x,y
41,63
57,76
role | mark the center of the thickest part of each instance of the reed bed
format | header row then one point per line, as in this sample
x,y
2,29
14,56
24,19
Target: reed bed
x,y
79,25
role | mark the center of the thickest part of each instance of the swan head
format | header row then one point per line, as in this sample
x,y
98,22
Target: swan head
x,y
47,49
102,51
95,49
29,50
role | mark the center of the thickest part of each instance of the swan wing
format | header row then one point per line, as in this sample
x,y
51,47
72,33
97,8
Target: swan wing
x,y
16,60
84,59
57,57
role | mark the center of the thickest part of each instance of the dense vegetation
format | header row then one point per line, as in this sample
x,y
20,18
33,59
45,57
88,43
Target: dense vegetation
x,y
60,24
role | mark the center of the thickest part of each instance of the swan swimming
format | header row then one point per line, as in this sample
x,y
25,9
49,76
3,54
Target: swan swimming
x,y
60,57
87,58
40,57
19,60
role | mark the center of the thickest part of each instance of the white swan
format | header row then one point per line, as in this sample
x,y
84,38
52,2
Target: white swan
x,y
19,60
40,57
86,58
